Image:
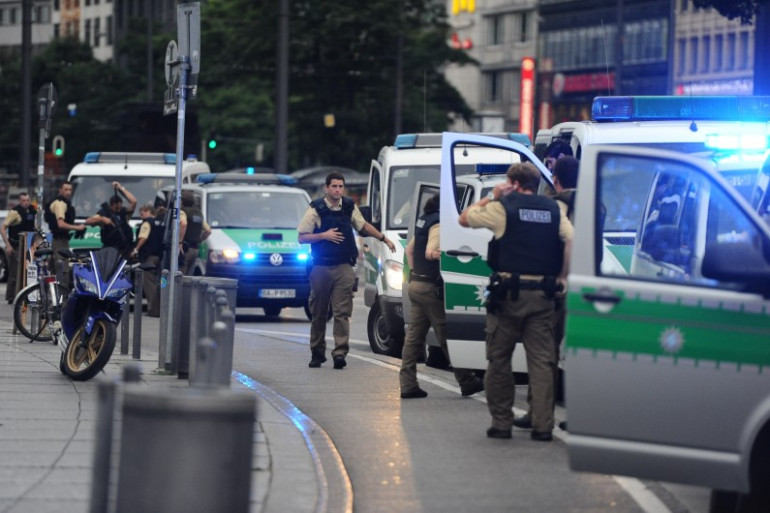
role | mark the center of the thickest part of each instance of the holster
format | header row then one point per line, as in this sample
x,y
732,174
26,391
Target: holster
x,y
549,286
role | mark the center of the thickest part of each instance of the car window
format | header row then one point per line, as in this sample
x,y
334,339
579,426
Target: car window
x,y
255,209
89,192
403,182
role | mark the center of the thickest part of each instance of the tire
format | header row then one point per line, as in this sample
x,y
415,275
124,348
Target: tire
x,y
25,311
380,339
309,314
84,362
62,368
272,311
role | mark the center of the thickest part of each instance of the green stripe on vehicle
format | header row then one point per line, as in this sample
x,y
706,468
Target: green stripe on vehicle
x,y
248,239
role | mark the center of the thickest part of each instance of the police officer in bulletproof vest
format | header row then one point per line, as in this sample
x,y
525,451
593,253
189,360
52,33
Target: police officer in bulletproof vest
x,y
328,226
193,230
529,255
426,292
60,216
113,218
20,218
149,250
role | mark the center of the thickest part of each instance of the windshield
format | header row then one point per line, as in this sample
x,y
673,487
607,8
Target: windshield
x,y
255,209
89,192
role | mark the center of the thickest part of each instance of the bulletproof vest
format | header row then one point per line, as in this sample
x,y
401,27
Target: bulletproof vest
x,y
118,235
154,244
192,234
567,197
530,243
50,218
422,265
329,253
27,223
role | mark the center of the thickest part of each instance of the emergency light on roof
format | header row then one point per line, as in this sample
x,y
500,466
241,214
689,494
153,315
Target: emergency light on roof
x,y
744,142
242,178
407,141
96,157
492,169
651,108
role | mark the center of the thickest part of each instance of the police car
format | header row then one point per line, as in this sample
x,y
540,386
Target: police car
x,y
253,220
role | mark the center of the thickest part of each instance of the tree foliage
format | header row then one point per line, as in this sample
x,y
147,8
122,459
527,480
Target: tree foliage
x,y
743,9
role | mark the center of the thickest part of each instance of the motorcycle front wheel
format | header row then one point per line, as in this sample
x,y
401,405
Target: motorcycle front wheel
x,y
86,355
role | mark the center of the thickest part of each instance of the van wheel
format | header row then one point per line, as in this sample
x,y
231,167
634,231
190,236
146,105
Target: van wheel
x,y
272,311
380,339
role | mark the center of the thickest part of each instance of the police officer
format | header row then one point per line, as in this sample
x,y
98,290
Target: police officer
x,y
426,294
193,230
113,218
328,226
60,216
21,218
529,254
149,250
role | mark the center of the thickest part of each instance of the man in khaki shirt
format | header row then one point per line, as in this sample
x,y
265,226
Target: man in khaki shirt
x,y
328,226
530,256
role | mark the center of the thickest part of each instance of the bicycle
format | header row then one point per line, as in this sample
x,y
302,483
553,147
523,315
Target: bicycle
x,y
39,304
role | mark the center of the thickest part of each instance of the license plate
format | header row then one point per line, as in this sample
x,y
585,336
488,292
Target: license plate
x,y
277,293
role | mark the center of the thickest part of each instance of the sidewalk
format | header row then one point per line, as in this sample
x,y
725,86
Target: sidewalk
x,y
47,428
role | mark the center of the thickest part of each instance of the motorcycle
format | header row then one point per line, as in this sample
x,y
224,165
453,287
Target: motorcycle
x,y
86,331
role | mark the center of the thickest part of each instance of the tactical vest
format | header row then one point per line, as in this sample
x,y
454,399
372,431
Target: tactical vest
x,y
53,224
154,244
567,197
118,235
329,253
192,235
423,266
27,223
531,243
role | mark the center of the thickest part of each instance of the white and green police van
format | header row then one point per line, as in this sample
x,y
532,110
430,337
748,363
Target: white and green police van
x,y
393,179
668,358
253,220
143,174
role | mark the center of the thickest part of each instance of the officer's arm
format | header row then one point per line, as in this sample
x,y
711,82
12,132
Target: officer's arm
x,y
130,197
3,232
206,231
464,216
565,264
309,238
410,253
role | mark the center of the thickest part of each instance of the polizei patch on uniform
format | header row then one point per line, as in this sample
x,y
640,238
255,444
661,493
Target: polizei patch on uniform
x,y
534,216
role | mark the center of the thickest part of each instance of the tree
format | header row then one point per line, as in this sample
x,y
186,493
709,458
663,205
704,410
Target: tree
x,y
743,9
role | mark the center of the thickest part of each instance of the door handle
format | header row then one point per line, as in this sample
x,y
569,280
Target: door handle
x,y
595,297
458,253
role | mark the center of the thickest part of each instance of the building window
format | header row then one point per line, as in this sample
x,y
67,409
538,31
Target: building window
x,y
684,5
56,30
493,86
97,31
718,41
523,27
87,35
109,30
496,30
55,5
693,55
88,2
682,57
2,16
706,54
744,51
730,57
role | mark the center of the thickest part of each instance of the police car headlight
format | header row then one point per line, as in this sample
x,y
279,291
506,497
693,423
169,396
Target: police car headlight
x,y
394,274
223,256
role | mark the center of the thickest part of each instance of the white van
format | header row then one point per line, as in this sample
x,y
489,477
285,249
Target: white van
x,y
393,179
143,174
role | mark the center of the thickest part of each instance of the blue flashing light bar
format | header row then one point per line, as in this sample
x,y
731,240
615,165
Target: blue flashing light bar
x,y
249,257
520,138
95,157
302,256
742,142
492,169
405,141
250,170
245,178
652,108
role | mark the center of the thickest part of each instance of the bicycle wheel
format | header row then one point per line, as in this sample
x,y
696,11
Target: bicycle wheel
x,y
83,359
31,313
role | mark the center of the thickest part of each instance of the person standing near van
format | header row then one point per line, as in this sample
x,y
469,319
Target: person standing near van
x,y
328,226
113,218
529,255
149,250
426,291
60,216
20,218
557,149
193,230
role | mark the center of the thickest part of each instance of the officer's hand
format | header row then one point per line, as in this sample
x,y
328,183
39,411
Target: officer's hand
x,y
561,287
334,235
80,234
501,190
389,243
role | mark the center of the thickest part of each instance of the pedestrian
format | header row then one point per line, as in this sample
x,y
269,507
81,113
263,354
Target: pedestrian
x,y
193,230
328,226
554,151
426,292
565,175
149,250
113,218
529,255
60,216
20,218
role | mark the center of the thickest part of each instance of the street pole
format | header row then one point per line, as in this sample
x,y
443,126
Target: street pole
x,y
26,91
282,90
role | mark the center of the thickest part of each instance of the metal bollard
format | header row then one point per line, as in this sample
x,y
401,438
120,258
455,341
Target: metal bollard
x,y
198,328
124,320
220,305
138,292
100,470
163,332
184,333
208,435
204,363
222,332
210,292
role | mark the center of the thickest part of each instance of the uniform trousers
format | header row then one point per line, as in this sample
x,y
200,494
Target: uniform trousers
x,y
188,263
11,271
151,286
427,310
529,319
65,276
331,284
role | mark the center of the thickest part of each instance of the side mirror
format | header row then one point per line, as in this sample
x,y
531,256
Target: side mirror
x,y
738,262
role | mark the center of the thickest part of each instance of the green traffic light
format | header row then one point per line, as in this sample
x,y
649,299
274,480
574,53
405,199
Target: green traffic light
x,y
59,152
212,144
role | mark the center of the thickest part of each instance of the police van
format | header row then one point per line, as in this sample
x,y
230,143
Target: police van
x,y
393,179
253,220
143,174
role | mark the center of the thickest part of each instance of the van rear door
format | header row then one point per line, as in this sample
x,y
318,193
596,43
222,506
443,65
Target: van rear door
x,y
667,360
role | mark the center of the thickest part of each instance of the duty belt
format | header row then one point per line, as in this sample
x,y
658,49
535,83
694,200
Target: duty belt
x,y
413,276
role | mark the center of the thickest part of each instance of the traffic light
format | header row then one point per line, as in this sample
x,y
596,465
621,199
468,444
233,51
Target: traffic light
x,y
212,144
58,146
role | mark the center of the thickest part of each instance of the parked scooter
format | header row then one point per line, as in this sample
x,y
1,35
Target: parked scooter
x,y
87,330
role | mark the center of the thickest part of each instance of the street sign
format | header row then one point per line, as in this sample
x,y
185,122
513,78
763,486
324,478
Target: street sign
x,y
188,27
172,64
47,100
170,100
